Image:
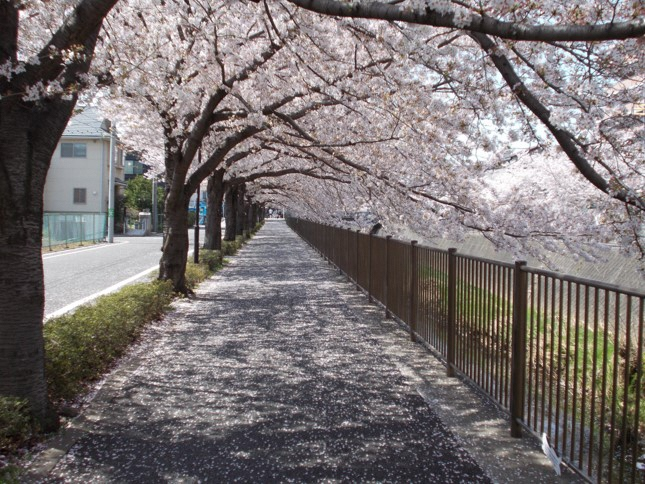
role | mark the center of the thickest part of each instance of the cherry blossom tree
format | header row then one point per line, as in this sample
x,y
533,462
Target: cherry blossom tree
x,y
453,116
246,167
223,83
200,53
45,54
577,97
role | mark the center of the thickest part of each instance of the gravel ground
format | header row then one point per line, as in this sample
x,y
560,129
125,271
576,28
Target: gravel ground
x,y
272,373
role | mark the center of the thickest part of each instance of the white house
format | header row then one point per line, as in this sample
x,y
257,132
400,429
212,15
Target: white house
x,y
78,178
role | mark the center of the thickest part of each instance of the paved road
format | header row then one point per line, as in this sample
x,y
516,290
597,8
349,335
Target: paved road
x,y
76,276
268,375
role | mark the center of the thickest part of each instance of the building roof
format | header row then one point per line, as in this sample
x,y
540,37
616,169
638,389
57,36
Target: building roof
x,y
87,124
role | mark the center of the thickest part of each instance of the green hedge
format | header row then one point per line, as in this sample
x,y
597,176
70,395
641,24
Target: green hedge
x,y
213,259
230,247
80,347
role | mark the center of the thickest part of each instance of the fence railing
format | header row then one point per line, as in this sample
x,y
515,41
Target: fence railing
x,y
67,228
562,355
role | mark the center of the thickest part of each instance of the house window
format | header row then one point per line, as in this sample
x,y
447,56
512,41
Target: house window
x,y
73,150
80,195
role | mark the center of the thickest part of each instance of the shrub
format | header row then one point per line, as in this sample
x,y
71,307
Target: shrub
x,y
227,247
210,261
230,247
196,273
80,347
10,474
17,427
211,258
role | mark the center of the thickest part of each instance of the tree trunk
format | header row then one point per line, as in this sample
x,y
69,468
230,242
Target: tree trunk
x,y
251,216
230,212
28,138
29,133
172,265
256,214
240,205
215,190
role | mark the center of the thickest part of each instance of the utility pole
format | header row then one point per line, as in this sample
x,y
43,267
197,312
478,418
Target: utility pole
x,y
196,251
110,235
154,204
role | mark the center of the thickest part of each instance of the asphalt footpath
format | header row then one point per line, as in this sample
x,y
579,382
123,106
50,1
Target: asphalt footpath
x,y
278,370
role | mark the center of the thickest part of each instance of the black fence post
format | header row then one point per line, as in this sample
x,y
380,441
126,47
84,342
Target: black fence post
x,y
452,311
413,290
518,362
326,247
333,237
369,268
329,244
322,232
348,254
387,275
341,234
358,232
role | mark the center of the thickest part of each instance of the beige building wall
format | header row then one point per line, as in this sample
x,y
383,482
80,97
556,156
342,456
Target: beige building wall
x,y
90,173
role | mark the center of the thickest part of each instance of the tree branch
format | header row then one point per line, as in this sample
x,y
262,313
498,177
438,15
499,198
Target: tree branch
x,y
205,119
476,23
565,139
310,172
80,25
362,169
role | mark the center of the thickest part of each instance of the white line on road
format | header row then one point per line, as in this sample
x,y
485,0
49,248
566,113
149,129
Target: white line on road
x,y
77,250
110,289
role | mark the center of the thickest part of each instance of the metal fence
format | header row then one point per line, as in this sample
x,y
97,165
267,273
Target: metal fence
x,y
66,228
562,355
